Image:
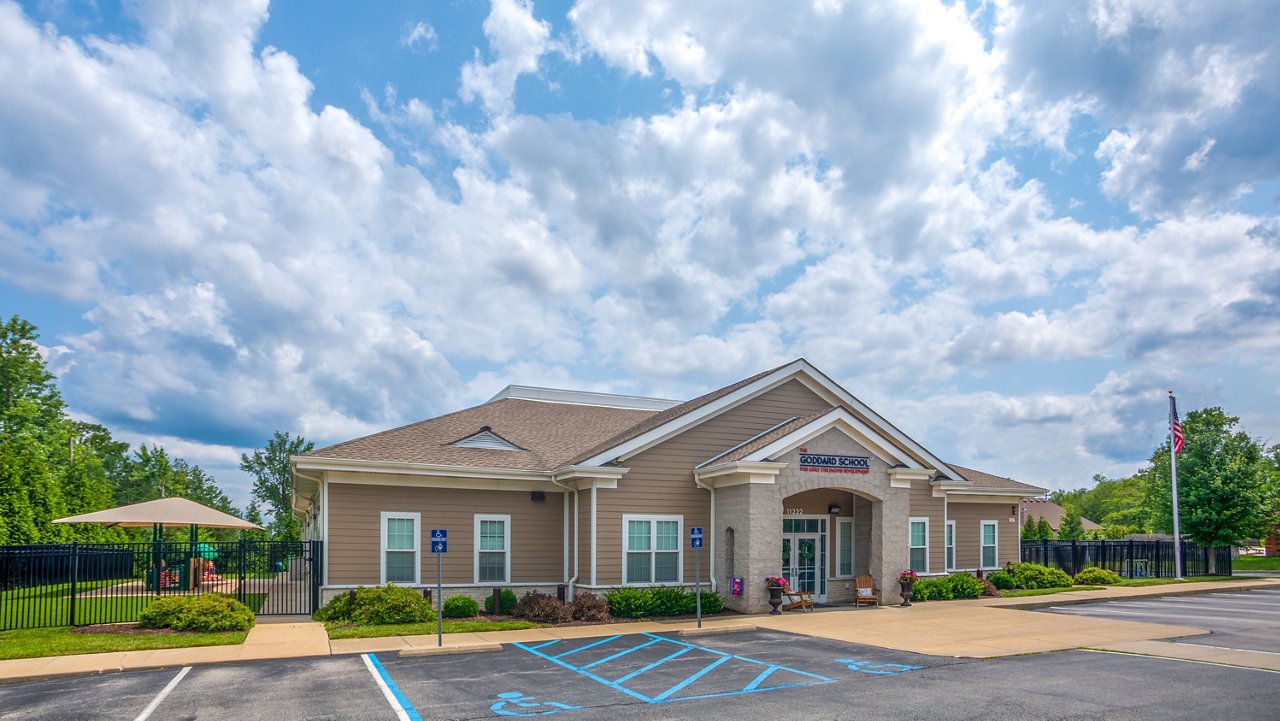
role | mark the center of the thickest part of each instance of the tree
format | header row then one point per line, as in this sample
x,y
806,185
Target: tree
x,y
1071,529
1227,486
1044,530
1030,529
29,400
273,481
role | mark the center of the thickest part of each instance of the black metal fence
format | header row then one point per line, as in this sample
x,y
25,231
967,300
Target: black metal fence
x,y
1131,559
82,584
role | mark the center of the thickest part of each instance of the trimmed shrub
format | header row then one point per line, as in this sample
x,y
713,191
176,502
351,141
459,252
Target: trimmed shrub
x,y
461,607
1002,580
1033,575
711,602
670,601
963,585
589,607
507,599
1094,576
528,601
549,609
931,589
207,613
162,611
378,606
989,588
629,602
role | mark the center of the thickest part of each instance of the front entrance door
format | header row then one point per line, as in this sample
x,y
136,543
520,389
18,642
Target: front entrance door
x,y
802,560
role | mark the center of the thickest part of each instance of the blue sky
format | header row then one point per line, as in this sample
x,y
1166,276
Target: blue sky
x,y
1008,226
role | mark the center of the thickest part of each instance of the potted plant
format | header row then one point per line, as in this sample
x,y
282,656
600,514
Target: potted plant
x,y
906,580
775,584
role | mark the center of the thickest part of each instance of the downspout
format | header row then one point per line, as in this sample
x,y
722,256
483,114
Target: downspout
x,y
574,580
711,563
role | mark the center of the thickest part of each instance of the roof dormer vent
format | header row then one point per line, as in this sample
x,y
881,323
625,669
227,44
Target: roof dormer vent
x,y
486,438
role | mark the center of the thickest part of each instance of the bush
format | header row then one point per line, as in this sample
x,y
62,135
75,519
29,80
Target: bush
x,y
378,606
1094,576
1033,575
1002,580
208,613
932,589
711,602
549,609
963,585
461,607
589,607
528,601
629,602
507,599
670,601
989,588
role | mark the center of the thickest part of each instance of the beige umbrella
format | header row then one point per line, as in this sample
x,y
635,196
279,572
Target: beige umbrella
x,y
163,512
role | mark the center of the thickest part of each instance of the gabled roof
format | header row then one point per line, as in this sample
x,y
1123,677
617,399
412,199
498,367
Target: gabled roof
x,y
785,436
981,479
1052,513
547,436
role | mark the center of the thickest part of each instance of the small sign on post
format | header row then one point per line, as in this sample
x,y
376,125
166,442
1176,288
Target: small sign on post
x,y
439,546
695,542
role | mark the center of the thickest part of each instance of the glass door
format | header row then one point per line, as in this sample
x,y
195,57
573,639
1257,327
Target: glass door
x,y
804,564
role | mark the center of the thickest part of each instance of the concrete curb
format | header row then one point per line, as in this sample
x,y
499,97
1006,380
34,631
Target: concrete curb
x,y
711,630
450,650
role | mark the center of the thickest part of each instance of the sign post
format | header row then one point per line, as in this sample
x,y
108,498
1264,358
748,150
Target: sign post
x,y
695,542
439,546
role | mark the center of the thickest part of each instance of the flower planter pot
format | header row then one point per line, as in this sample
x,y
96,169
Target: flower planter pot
x,y
905,587
775,599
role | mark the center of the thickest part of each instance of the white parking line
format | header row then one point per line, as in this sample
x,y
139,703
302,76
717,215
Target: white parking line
x,y
1147,614
155,702
1183,660
404,710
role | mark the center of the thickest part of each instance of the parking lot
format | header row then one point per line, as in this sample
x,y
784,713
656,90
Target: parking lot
x,y
1238,619
761,674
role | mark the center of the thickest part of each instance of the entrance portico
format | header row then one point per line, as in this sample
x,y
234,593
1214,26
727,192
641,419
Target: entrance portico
x,y
818,501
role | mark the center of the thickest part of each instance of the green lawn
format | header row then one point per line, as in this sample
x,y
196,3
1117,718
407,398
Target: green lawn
x,y
1136,582
1020,592
50,606
37,642
1256,563
424,629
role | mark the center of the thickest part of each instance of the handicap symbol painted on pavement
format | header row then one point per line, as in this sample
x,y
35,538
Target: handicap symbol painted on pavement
x,y
529,704
879,669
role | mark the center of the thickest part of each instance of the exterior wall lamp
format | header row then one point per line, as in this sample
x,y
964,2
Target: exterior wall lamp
x,y
834,509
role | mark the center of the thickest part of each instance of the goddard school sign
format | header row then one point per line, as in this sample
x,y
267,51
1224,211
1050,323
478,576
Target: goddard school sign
x,y
835,464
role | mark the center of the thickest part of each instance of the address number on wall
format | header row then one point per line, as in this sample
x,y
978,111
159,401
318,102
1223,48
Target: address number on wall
x,y
795,512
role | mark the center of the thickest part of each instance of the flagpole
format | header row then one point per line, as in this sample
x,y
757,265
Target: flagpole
x,y
1173,466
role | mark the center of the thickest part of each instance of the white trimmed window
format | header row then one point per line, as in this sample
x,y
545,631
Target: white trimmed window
x,y
951,545
652,552
919,544
401,547
990,537
844,548
493,548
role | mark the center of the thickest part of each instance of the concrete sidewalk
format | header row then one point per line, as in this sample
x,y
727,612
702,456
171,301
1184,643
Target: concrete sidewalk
x,y
980,628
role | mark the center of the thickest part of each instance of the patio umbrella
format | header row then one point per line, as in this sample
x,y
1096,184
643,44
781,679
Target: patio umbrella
x,y
168,512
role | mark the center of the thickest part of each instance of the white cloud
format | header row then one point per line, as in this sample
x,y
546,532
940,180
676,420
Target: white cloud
x,y
420,34
516,41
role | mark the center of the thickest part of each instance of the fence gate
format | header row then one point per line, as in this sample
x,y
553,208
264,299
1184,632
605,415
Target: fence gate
x,y
82,584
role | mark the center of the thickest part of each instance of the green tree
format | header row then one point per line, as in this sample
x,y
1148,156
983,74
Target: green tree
x,y
1044,530
29,400
1030,531
1227,485
1071,529
273,481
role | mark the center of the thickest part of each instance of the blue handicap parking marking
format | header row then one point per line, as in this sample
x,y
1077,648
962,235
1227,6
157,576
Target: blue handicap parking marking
x,y
514,703
877,669
656,669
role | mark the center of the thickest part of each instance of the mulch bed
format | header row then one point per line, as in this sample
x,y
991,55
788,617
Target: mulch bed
x,y
124,629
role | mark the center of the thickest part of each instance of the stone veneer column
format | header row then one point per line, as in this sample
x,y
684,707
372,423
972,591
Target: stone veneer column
x,y
754,511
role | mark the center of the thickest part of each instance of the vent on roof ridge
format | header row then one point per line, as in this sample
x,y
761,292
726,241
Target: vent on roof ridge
x,y
486,438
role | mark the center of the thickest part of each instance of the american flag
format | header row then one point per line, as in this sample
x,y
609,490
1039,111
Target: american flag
x,y
1175,425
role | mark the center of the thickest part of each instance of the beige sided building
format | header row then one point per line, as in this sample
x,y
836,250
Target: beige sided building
x,y
786,471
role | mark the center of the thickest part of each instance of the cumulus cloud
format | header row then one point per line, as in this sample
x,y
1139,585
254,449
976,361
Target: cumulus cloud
x,y
852,185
